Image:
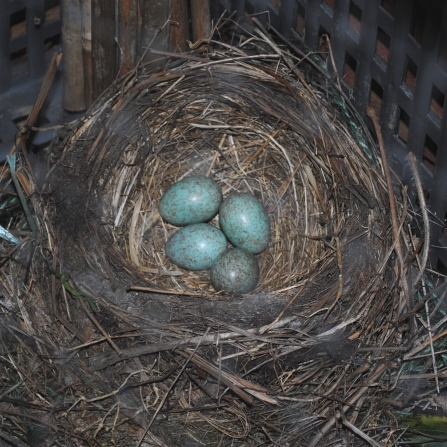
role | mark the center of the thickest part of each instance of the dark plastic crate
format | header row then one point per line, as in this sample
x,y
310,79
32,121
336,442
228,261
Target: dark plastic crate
x,y
393,54
30,31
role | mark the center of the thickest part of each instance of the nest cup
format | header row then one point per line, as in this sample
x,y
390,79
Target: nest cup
x,y
122,323
250,129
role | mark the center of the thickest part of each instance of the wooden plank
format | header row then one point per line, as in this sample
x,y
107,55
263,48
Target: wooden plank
x,y
86,13
127,35
179,26
74,95
103,45
154,29
201,19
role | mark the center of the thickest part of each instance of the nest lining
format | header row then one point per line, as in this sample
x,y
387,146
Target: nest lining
x,y
252,131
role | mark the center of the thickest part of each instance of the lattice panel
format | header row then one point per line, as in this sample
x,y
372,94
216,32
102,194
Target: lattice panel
x,y
30,30
392,54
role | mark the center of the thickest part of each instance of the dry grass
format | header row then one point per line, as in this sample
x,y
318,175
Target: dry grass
x,y
319,353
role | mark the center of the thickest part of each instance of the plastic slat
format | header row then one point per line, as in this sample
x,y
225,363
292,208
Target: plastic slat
x,y
16,5
326,19
387,23
352,44
367,44
239,7
438,195
378,71
287,20
260,6
5,70
433,128
35,16
392,85
311,24
274,15
338,39
413,50
422,93
440,78
18,43
51,29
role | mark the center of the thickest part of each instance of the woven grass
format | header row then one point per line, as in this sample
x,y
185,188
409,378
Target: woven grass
x,y
133,350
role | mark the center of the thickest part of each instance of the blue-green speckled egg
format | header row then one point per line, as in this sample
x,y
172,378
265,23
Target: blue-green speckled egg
x,y
235,272
245,222
192,200
196,246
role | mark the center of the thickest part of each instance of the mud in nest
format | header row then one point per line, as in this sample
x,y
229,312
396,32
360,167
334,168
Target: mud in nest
x,y
251,127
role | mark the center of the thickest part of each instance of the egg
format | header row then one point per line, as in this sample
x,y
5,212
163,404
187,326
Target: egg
x,y
243,219
191,200
235,272
196,246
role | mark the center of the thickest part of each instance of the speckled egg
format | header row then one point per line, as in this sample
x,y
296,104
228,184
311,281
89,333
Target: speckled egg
x,y
191,200
245,222
196,246
235,272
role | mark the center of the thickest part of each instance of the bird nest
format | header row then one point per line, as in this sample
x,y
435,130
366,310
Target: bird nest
x,y
140,337
250,127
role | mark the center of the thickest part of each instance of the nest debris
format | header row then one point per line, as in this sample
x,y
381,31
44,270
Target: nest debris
x,y
115,345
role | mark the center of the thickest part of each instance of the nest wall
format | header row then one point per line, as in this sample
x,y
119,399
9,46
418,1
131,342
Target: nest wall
x,y
251,127
124,319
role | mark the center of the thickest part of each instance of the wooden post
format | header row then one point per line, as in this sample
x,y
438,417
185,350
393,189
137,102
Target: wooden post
x,y
127,35
74,95
87,49
103,45
154,28
179,26
201,19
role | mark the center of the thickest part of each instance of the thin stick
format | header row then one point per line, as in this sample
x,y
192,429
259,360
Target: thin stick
x,y
424,345
163,291
432,349
340,278
261,148
332,61
105,359
32,117
285,184
11,159
170,388
297,294
345,408
357,431
370,111
417,180
100,328
292,67
221,375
